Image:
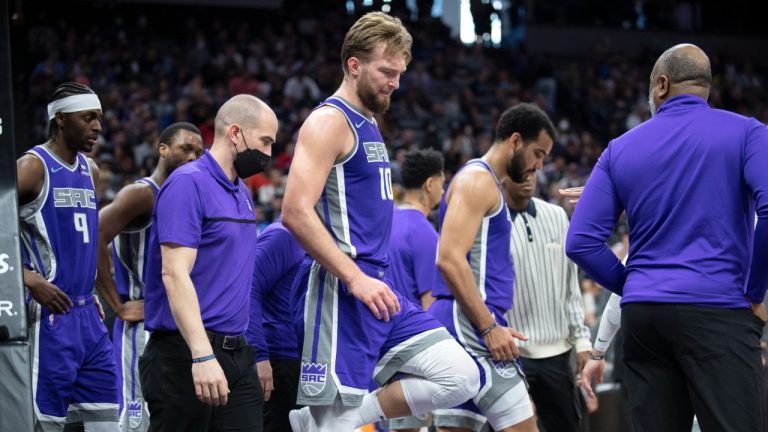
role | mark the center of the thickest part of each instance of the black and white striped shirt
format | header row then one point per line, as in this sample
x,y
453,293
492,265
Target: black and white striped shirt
x,y
547,304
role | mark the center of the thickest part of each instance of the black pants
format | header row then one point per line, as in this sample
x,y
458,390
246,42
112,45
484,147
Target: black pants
x,y
552,388
166,381
683,359
285,376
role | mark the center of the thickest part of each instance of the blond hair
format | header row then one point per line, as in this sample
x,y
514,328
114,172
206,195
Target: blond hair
x,y
372,29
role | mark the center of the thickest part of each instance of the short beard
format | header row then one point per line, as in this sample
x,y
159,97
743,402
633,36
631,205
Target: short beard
x,y
369,98
516,167
651,105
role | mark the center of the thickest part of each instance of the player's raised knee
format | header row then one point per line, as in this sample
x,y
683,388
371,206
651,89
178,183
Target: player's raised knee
x,y
462,380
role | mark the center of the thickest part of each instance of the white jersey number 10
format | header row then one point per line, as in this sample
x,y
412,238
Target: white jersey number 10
x,y
386,183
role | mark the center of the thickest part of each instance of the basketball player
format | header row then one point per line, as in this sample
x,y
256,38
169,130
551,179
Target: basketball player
x,y
413,244
73,375
338,204
475,261
128,220
270,328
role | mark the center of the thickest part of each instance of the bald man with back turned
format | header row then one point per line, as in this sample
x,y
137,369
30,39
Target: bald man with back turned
x,y
197,372
691,180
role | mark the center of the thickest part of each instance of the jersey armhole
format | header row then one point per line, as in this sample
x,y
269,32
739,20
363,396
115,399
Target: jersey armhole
x,y
27,211
90,172
347,157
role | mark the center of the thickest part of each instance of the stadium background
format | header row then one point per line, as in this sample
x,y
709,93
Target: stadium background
x,y
586,63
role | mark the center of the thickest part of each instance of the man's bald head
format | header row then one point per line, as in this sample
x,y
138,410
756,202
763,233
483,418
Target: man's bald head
x,y
244,110
684,64
682,69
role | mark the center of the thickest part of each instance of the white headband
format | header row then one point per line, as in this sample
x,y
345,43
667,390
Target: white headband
x,y
70,104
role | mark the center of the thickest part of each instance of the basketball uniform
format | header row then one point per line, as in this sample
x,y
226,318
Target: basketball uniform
x,y
493,271
129,255
344,345
73,374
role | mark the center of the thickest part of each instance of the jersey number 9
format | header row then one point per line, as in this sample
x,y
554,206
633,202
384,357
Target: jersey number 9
x,y
81,225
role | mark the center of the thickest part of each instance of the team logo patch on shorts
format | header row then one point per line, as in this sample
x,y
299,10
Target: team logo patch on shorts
x,y
506,369
135,413
313,377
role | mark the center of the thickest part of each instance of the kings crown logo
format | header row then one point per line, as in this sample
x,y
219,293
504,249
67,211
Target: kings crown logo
x,y
135,412
313,377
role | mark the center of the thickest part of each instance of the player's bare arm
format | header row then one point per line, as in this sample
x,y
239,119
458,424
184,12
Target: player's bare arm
x,y
132,206
427,300
30,179
211,385
30,176
468,203
323,139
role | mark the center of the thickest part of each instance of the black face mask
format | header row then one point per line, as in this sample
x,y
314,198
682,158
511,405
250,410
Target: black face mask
x,y
250,161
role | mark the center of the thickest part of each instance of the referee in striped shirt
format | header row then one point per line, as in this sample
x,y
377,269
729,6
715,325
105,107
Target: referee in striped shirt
x,y
547,306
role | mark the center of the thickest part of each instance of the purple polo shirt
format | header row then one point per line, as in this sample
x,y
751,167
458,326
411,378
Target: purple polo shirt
x,y
278,256
200,208
412,253
690,179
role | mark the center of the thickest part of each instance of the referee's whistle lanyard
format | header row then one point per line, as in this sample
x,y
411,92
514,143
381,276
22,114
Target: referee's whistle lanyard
x,y
527,226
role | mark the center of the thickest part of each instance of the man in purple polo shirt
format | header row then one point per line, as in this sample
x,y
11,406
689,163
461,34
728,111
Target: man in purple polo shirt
x,y
197,372
690,180
413,244
270,329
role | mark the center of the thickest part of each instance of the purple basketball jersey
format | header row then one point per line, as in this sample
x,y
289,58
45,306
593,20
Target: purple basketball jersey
x,y
362,177
490,257
73,370
59,228
130,250
412,253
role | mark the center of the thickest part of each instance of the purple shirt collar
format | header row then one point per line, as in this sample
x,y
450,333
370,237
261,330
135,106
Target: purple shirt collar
x,y
213,167
686,101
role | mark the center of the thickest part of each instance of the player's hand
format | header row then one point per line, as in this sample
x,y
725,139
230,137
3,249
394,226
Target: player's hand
x,y
99,307
131,311
581,360
376,295
501,344
593,369
211,387
759,310
264,369
573,193
46,293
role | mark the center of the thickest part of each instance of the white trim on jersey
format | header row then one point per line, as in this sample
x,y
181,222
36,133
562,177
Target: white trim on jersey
x,y
136,290
36,363
458,411
43,231
483,255
343,208
384,361
91,406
